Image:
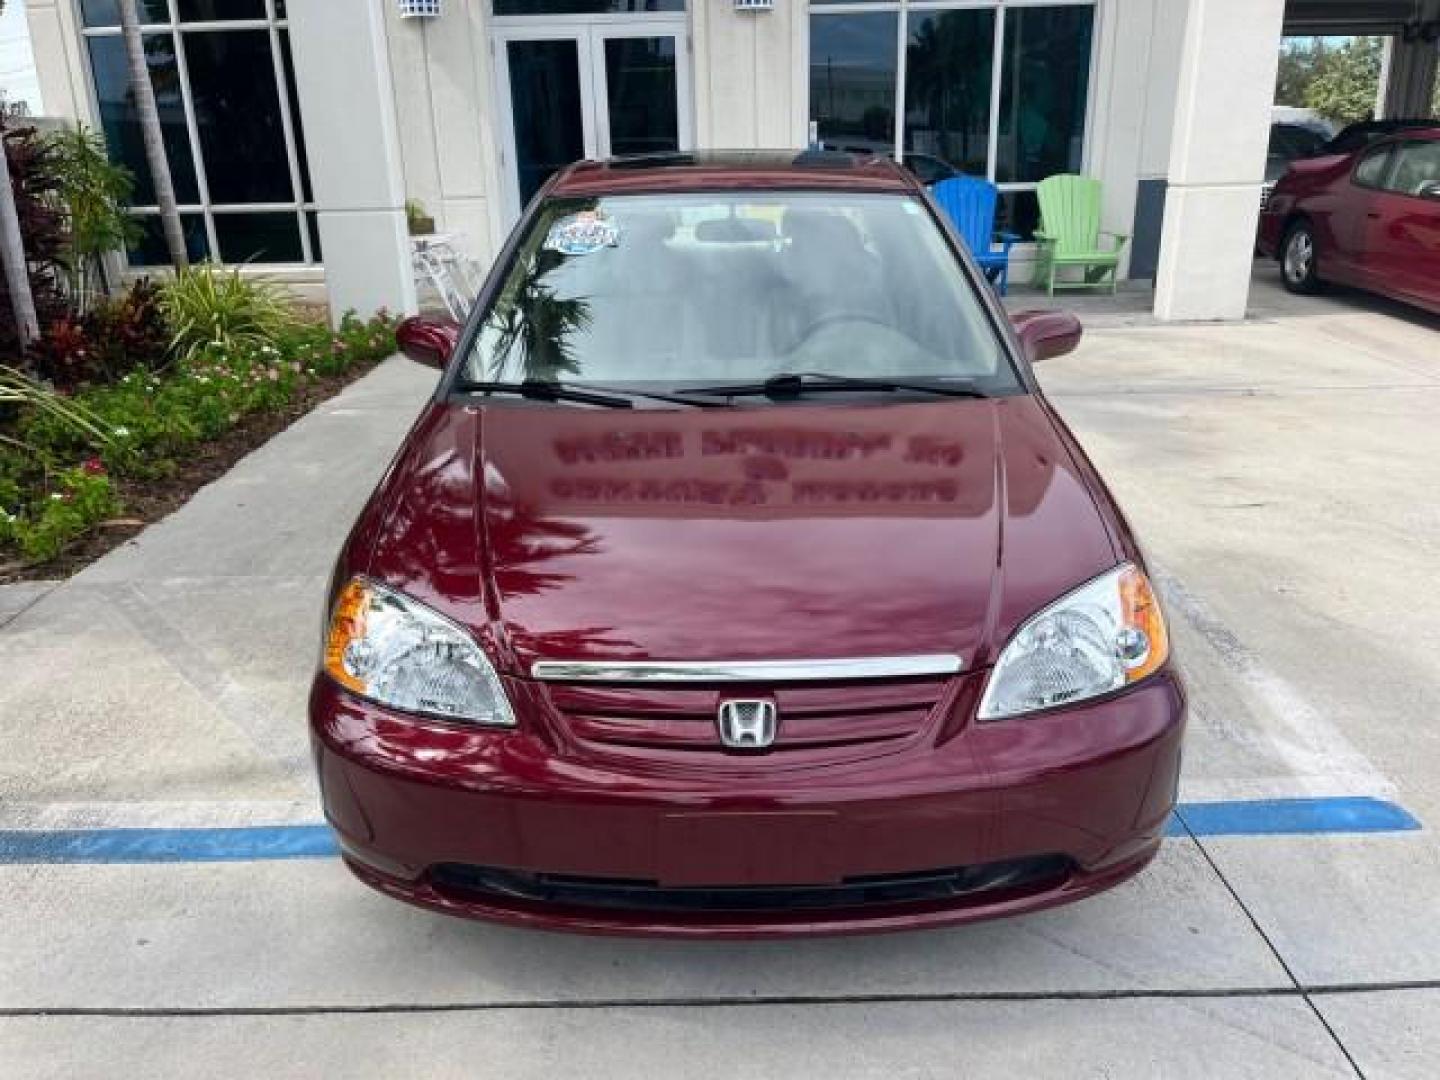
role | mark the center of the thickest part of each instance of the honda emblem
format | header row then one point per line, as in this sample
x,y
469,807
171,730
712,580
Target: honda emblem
x,y
747,725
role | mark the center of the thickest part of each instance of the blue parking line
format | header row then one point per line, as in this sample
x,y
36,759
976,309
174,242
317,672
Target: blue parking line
x,y
249,844
1292,817
1257,817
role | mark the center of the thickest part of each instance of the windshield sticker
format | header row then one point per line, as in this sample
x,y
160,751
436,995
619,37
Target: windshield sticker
x,y
583,234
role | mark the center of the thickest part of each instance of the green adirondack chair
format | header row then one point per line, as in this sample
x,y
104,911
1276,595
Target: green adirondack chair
x,y
1069,236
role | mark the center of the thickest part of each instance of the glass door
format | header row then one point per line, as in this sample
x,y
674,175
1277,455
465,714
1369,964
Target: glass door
x,y
548,80
597,89
640,103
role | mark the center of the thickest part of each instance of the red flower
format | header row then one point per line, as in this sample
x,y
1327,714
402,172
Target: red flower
x,y
93,466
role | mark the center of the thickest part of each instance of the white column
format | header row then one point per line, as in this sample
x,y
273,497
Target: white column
x,y
347,104
1217,158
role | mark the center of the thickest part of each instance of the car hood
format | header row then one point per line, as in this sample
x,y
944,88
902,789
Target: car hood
x,y
777,533
782,532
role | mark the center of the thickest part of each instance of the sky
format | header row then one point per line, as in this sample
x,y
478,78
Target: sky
x,y
17,64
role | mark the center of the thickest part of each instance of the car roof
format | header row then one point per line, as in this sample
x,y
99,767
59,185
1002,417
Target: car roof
x,y
734,170
1367,133
1428,133
1391,125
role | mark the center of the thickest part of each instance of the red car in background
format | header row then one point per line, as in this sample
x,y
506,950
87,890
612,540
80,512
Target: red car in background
x,y
1369,219
738,580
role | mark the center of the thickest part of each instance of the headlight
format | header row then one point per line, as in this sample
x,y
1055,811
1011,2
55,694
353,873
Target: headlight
x,y
397,652
1101,637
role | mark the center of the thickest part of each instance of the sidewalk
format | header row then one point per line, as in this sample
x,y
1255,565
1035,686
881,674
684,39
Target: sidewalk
x,y
176,667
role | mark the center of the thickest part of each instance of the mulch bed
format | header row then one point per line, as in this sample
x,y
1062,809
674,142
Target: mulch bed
x,y
146,501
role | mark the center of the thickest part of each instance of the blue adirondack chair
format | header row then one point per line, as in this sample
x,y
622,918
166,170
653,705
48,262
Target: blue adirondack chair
x,y
969,202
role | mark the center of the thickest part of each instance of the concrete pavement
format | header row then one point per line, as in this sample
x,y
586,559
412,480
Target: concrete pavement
x,y
1281,474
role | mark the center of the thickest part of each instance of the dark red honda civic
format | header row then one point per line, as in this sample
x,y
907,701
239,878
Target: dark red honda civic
x,y
738,581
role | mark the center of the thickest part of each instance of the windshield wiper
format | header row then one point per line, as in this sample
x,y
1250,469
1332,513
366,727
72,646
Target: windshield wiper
x,y
609,396
547,391
793,384
656,395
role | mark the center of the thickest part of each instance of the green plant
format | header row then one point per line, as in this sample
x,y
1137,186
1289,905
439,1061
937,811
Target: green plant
x,y
1338,78
96,195
78,499
207,306
418,221
154,417
142,424
21,393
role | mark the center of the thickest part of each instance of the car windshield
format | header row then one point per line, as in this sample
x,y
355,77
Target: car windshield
x,y
685,290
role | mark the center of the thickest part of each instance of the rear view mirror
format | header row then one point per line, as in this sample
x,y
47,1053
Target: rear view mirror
x,y
1047,334
428,341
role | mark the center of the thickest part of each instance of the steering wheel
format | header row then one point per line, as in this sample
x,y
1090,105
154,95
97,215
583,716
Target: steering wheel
x,y
834,318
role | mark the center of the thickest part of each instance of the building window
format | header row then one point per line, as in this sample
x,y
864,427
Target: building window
x,y
853,69
224,85
586,7
997,89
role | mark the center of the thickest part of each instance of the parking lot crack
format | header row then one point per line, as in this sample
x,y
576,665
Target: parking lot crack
x,y
1301,991
750,1001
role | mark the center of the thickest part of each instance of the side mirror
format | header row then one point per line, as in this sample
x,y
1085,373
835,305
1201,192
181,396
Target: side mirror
x,y
1431,191
1047,334
428,341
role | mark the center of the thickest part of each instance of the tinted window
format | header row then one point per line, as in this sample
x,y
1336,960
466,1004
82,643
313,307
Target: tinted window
x,y
261,238
296,127
1371,170
121,120
150,249
1018,212
1417,167
929,170
1044,88
676,288
237,107
640,84
584,7
547,102
948,61
107,12
219,10
852,80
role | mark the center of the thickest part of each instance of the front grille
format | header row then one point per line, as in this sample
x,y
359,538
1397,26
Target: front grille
x,y
928,887
1266,190
646,719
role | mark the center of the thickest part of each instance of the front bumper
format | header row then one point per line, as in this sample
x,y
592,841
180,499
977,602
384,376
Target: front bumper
x,y
436,814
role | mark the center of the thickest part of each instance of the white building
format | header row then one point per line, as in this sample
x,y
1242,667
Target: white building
x,y
298,129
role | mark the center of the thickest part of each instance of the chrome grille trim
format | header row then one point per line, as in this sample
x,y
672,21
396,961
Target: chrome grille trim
x,y
745,671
